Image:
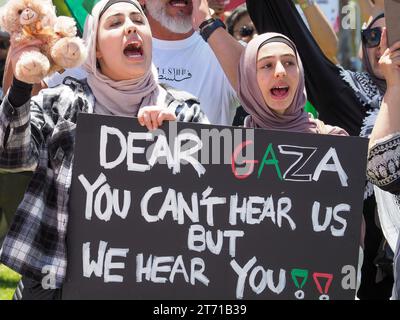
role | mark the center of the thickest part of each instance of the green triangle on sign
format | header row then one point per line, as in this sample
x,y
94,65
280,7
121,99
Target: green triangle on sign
x,y
302,274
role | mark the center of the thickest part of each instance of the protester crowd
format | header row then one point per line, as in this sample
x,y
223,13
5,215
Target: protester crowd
x,y
257,65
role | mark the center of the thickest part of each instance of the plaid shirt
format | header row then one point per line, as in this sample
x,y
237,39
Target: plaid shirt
x,y
40,136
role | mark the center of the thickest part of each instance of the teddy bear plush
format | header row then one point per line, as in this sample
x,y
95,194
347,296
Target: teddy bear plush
x,y
27,20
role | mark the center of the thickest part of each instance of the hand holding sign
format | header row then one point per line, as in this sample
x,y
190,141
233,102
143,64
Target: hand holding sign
x,y
153,116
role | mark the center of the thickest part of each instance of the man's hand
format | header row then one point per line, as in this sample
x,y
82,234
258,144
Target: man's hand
x,y
153,116
201,12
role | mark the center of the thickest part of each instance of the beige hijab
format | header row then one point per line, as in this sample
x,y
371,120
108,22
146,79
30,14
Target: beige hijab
x,y
125,97
260,114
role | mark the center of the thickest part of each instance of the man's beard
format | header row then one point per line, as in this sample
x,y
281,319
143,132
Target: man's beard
x,y
158,10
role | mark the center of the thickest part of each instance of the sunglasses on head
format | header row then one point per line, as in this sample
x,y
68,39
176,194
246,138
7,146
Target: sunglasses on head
x,y
246,31
372,37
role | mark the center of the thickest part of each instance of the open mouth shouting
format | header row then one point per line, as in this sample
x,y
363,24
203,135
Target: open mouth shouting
x,y
183,7
280,92
134,50
180,3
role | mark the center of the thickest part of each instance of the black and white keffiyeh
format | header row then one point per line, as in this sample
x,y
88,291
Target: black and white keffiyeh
x,y
369,95
371,98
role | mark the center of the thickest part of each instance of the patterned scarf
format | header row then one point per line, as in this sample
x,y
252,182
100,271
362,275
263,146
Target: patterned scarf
x,y
370,90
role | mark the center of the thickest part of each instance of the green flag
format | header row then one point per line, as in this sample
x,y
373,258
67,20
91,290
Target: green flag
x,y
311,109
62,9
80,9
89,4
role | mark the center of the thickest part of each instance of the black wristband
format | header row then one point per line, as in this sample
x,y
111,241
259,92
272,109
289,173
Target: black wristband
x,y
206,22
20,92
209,28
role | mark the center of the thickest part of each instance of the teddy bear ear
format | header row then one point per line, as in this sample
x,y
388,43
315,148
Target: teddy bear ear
x,y
9,21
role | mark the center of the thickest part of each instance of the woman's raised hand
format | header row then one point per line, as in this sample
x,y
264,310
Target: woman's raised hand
x,y
390,61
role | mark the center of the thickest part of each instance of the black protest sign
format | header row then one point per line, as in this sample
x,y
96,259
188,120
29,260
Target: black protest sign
x,y
211,212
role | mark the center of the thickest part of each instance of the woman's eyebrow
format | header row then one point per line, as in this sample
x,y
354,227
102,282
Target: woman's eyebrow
x,y
291,55
114,15
135,13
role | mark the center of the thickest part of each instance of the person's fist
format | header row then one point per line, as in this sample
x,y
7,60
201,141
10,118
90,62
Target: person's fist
x,y
201,12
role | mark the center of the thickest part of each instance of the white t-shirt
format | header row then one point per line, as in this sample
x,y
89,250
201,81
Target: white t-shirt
x,y
190,65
